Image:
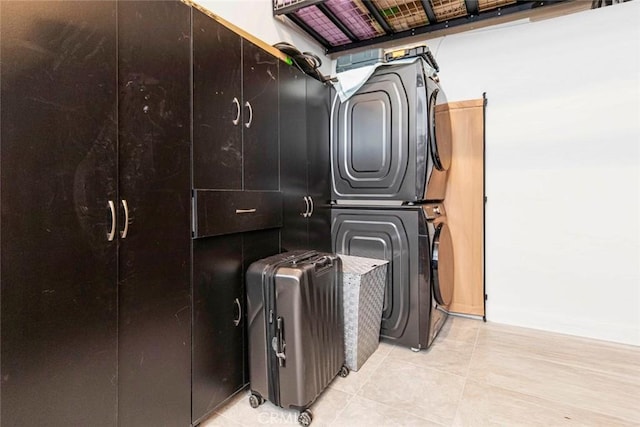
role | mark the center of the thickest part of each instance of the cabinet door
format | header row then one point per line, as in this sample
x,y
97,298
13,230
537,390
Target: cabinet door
x,y
319,163
154,258
260,118
293,158
218,300
217,105
58,269
255,246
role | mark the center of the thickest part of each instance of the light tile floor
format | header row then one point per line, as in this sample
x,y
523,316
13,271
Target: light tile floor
x,y
475,374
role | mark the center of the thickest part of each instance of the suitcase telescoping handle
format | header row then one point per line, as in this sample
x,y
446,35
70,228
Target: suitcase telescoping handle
x,y
278,343
323,262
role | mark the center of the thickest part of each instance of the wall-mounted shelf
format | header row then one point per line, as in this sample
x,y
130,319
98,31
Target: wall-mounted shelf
x,y
340,25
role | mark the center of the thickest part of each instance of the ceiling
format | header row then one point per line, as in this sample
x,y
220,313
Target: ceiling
x,y
340,25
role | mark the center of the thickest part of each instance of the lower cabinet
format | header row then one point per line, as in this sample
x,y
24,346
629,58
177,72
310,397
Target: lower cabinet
x,y
219,351
217,357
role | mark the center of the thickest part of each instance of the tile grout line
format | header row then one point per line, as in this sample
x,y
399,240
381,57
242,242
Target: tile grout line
x,y
466,378
398,410
416,365
420,367
561,360
351,397
546,398
541,402
377,367
221,413
558,402
355,393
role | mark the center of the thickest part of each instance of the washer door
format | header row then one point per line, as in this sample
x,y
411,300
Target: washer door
x,y
439,130
389,235
442,265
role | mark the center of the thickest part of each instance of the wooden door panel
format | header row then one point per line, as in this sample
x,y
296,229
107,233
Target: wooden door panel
x,y
217,99
217,340
293,158
154,179
59,293
260,118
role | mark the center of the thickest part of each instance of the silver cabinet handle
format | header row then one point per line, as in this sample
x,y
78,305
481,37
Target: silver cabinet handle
x,y
112,233
311,211
305,214
125,230
244,211
248,105
237,119
237,321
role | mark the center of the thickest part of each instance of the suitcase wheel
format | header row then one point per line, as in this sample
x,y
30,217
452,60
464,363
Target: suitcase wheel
x,y
305,418
255,400
344,371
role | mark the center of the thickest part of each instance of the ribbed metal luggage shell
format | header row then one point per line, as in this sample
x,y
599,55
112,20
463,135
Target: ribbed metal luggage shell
x,y
308,297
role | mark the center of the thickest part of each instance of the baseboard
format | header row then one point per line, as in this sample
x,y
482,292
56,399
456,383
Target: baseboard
x,y
466,309
615,332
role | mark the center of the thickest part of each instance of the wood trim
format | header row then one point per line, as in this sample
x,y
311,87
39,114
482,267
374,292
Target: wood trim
x,y
464,203
242,33
470,103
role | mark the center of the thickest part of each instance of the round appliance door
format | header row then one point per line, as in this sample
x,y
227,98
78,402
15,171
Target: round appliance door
x,y
439,130
442,265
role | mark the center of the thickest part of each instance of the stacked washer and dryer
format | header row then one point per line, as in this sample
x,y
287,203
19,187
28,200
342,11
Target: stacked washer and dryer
x,y
390,151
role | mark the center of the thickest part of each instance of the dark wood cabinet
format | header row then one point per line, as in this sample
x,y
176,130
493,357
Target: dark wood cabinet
x,y
154,296
96,220
237,203
219,317
318,163
260,118
58,172
217,105
304,161
293,162
225,212
218,326
136,140
235,127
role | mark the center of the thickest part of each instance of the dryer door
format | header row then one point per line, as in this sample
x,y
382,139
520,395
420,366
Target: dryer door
x,y
439,130
442,265
370,140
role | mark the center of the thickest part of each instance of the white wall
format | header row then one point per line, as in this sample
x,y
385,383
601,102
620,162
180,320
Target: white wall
x,y
562,167
256,18
563,160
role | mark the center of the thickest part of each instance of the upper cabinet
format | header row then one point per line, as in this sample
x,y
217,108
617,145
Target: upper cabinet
x,y
260,120
235,108
217,105
304,161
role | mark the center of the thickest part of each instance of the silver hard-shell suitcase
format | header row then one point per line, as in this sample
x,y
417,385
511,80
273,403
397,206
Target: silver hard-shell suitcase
x,y
295,325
